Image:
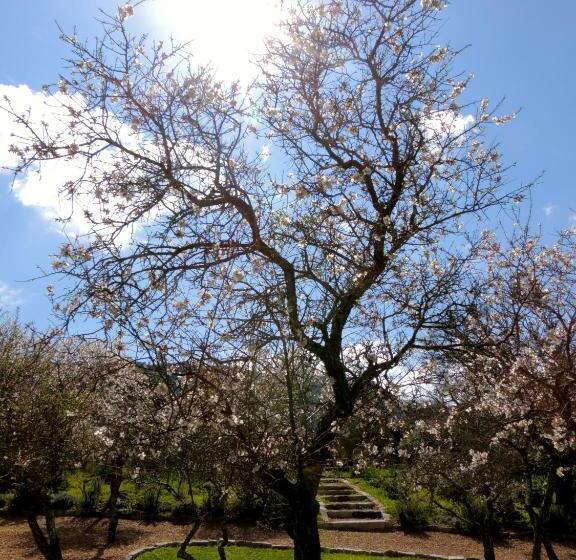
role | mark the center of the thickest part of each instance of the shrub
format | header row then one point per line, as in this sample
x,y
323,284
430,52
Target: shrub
x,y
90,498
62,501
561,522
185,509
149,501
414,511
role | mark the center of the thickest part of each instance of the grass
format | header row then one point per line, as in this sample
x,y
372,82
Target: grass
x,y
247,553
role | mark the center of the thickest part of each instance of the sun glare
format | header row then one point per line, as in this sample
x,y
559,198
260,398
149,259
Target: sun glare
x,y
224,32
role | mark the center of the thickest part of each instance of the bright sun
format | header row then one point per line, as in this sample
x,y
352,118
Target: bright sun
x,y
225,32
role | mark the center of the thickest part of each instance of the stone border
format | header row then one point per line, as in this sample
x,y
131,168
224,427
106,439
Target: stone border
x,y
258,544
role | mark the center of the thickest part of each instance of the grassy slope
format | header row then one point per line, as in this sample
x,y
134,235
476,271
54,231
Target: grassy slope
x,y
245,553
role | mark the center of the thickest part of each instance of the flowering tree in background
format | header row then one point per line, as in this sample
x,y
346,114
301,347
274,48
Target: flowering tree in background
x,y
339,235
516,357
45,399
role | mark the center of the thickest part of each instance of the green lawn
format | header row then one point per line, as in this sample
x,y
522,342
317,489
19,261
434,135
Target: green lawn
x,y
246,553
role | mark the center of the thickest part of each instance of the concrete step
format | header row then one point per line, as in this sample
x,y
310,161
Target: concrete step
x,y
354,514
350,505
333,486
355,524
333,498
336,491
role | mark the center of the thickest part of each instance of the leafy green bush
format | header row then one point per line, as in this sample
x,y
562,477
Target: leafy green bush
x,y
62,501
184,509
91,490
414,511
561,522
149,501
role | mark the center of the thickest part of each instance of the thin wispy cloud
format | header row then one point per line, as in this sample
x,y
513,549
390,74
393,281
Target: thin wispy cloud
x,y
549,209
9,297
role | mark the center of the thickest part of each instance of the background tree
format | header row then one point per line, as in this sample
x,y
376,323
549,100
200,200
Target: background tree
x,y
516,356
345,238
45,394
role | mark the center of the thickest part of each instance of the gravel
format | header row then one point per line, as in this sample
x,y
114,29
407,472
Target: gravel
x,y
84,539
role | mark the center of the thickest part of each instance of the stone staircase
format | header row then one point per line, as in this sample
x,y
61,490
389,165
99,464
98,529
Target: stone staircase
x,y
344,506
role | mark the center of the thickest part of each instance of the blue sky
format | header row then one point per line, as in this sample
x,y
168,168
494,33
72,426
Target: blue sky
x,y
518,50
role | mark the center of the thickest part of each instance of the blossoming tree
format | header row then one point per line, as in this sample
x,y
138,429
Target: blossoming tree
x,y
516,357
340,235
45,431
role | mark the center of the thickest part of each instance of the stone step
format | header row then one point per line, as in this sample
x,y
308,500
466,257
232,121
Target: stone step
x,y
354,514
333,486
336,491
345,498
355,524
350,505
330,480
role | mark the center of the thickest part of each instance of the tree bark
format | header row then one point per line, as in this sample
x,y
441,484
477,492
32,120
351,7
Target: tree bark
x,y
304,511
540,520
550,552
49,546
488,543
182,552
305,527
53,540
115,482
487,531
223,542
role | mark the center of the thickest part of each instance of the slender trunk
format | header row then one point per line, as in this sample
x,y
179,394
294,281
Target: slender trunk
x,y
540,520
49,546
488,543
115,483
537,544
39,538
223,542
487,531
53,540
551,553
182,552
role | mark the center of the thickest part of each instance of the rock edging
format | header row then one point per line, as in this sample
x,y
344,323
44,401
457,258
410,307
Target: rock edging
x,y
258,544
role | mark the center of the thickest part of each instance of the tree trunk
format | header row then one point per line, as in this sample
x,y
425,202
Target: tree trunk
x,y
53,540
182,552
551,553
487,531
305,528
223,542
539,521
115,482
49,546
304,514
488,543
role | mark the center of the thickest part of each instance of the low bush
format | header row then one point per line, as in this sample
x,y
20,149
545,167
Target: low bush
x,y
414,511
91,490
184,509
149,501
62,501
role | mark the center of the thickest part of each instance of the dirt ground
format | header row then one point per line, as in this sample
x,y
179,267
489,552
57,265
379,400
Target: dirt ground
x,y
84,539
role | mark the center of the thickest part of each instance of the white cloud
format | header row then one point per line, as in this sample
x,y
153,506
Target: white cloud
x,y
548,209
9,297
41,186
441,125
